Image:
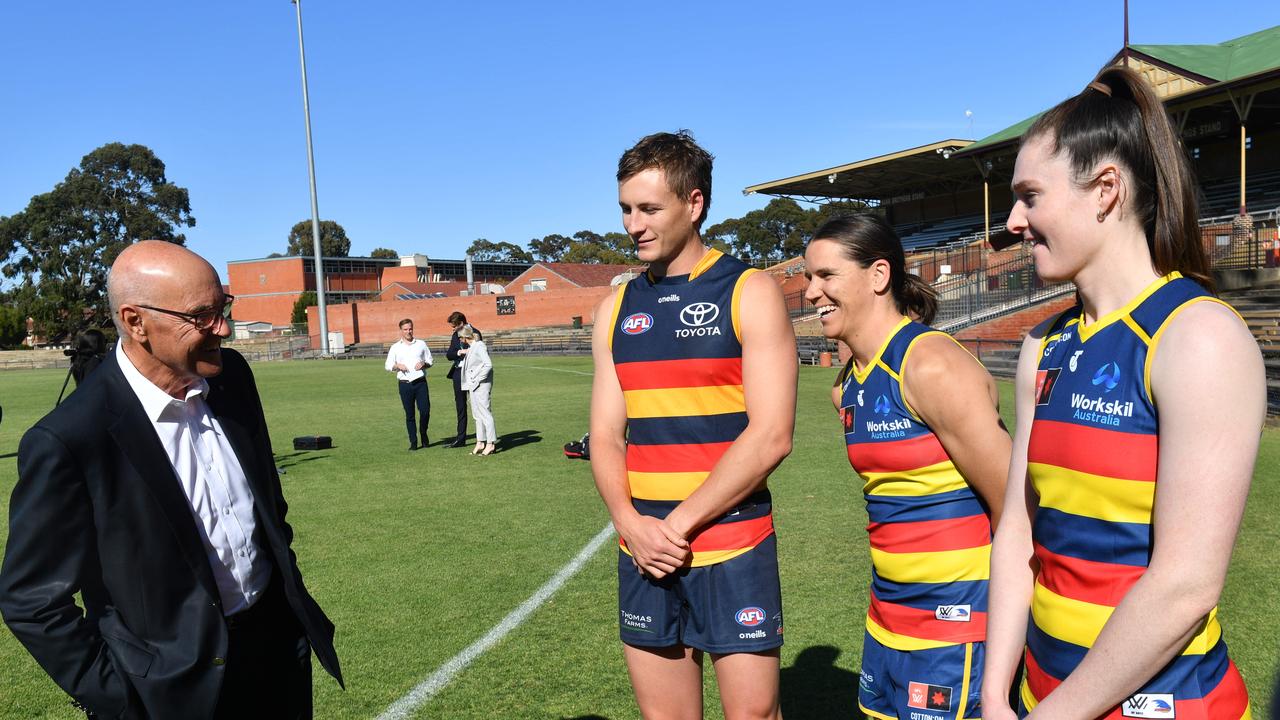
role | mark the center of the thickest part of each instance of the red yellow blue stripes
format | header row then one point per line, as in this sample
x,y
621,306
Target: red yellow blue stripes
x,y
930,537
681,380
1092,460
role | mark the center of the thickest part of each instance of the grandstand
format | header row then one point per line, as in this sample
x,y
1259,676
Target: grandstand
x,y
1224,99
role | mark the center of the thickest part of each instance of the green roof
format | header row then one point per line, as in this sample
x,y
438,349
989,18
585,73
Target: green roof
x,y
1233,59
1013,132
1230,60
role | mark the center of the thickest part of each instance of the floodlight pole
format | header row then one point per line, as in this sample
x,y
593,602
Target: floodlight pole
x,y
315,206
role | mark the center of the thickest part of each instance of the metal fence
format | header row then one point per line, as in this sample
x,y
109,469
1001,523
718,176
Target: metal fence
x,y
1242,242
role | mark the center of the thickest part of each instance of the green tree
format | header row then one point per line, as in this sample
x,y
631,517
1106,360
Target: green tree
x,y
60,247
304,301
612,248
777,231
384,253
13,327
333,240
550,248
485,250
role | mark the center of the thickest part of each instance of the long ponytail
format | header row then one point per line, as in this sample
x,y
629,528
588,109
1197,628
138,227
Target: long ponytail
x,y
1118,117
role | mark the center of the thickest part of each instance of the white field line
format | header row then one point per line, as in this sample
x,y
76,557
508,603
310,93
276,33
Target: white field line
x,y
425,690
539,367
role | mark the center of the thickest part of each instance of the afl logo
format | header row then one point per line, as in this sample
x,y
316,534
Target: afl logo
x,y
636,323
750,616
699,314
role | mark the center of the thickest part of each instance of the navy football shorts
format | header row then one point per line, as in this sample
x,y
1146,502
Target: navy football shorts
x,y
936,684
730,607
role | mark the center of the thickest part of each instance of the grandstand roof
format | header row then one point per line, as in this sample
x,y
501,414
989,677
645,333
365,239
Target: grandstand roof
x,y
879,178
1233,59
1207,68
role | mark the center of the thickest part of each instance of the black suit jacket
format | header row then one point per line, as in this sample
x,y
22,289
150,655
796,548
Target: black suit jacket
x,y
455,372
98,510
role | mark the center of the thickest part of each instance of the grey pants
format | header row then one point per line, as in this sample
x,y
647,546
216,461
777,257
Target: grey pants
x,y
481,412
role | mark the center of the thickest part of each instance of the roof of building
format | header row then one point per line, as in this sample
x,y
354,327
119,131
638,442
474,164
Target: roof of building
x,y
586,274
1230,60
1206,66
879,178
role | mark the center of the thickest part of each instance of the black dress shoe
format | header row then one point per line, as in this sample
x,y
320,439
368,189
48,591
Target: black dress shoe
x,y
412,448
458,442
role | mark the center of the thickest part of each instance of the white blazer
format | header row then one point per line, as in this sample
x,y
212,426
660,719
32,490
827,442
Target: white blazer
x,y
476,366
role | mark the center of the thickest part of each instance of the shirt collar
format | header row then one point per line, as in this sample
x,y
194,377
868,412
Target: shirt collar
x,y
154,400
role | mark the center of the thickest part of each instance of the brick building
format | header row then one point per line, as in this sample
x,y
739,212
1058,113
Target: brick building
x,y
266,289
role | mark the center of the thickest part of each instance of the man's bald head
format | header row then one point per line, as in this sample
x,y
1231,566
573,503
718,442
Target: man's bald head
x,y
154,272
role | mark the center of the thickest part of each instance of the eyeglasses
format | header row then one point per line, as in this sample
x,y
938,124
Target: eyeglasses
x,y
204,321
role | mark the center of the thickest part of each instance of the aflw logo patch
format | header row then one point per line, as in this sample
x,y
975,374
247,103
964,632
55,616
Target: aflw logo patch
x,y
1148,705
953,613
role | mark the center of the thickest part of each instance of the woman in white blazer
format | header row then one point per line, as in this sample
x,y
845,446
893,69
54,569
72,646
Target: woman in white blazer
x,y
477,379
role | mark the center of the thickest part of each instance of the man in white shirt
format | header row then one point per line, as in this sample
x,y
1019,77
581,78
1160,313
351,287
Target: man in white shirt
x,y
409,359
152,493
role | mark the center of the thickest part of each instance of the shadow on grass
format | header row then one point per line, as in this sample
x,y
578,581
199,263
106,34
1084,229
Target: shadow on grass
x,y
12,454
813,687
586,717
290,459
511,441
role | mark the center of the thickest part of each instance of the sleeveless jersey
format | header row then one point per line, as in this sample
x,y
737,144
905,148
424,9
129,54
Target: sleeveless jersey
x,y
1092,460
677,351
930,535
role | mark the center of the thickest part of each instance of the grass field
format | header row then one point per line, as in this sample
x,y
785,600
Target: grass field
x,y
417,555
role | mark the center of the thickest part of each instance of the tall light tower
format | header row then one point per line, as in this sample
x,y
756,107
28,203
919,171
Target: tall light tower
x,y
315,206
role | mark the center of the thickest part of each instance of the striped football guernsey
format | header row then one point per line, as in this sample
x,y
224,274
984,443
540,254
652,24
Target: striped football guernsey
x,y
1092,460
677,349
930,535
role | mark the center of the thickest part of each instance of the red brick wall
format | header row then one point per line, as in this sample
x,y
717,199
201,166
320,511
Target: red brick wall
x,y
268,276
1016,325
377,322
275,309
400,273
256,283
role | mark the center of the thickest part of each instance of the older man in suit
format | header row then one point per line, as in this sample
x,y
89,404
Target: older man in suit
x,y
153,493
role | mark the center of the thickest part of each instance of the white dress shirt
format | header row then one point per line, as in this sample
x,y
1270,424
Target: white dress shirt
x,y
409,354
213,482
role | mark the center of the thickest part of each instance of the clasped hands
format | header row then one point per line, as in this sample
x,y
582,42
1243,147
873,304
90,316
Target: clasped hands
x,y
656,548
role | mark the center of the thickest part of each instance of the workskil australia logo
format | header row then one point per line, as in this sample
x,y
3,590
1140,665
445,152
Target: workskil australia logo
x,y
1108,375
1098,410
886,429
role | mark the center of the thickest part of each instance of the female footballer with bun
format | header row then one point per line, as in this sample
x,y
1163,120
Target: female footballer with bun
x,y
1139,413
923,433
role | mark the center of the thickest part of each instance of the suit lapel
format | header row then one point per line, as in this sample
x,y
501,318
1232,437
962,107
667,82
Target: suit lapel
x,y
136,439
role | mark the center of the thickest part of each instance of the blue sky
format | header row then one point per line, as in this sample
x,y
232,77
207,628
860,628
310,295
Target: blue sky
x,y
438,123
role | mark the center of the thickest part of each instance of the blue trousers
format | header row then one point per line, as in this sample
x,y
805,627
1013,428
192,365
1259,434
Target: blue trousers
x,y
412,393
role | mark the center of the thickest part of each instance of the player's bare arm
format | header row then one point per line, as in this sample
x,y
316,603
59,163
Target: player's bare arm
x,y
956,397
1013,568
656,548
769,370
1208,384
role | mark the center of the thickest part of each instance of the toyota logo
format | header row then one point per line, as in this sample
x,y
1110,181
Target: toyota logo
x,y
699,314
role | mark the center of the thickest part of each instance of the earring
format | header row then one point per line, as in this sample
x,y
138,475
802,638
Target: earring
x,y
1102,215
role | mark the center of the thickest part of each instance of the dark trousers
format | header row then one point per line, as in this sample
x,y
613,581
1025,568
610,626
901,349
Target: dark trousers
x,y
412,393
460,402
268,664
